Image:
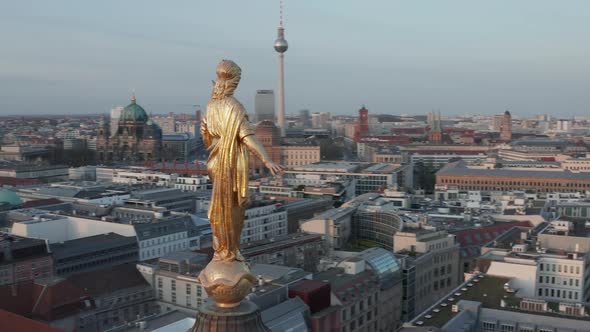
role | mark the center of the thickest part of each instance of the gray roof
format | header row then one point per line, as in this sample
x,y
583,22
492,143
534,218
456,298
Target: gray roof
x,y
160,193
539,142
90,244
288,316
287,241
150,230
184,256
460,168
273,272
339,280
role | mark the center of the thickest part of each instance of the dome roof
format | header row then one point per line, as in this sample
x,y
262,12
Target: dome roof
x,y
133,112
9,197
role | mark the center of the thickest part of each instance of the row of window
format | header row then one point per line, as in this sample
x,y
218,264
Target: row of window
x,y
163,239
163,250
557,293
515,183
551,280
188,287
558,268
359,307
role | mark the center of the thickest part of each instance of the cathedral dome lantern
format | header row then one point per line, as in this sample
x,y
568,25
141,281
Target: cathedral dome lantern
x,y
133,112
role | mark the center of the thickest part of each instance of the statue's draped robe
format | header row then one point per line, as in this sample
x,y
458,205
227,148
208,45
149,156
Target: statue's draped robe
x,y
223,129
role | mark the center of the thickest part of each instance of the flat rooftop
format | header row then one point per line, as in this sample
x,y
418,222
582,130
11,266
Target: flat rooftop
x,y
177,257
90,244
489,291
579,230
339,280
328,167
460,168
267,245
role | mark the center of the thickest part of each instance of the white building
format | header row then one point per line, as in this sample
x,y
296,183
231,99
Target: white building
x,y
155,239
59,228
140,175
192,183
564,125
264,222
549,274
175,280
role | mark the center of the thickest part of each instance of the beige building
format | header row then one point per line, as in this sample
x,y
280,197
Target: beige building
x,y
299,155
431,264
576,164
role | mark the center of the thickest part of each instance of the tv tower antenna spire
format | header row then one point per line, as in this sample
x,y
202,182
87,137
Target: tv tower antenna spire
x,y
281,13
281,47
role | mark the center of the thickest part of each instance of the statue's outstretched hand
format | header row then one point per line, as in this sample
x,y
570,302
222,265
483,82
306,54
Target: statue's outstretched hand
x,y
274,168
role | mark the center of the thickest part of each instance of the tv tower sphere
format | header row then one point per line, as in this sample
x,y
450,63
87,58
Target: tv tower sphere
x,y
281,45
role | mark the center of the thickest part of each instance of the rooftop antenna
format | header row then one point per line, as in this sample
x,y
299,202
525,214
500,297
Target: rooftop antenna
x,y
281,13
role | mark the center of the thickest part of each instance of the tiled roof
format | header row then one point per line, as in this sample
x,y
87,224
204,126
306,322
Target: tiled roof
x,y
483,235
14,182
56,298
96,283
41,202
17,298
10,322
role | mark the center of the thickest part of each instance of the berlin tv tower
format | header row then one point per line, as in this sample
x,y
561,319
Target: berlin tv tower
x,y
281,47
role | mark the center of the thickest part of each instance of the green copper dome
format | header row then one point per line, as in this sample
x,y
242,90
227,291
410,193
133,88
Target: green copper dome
x,y
9,197
133,112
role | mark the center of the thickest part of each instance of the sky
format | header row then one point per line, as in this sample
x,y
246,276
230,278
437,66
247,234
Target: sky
x,y
395,57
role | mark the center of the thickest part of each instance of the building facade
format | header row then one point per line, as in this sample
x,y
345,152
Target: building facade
x,y
299,155
264,105
431,267
23,259
459,175
268,220
93,253
270,137
157,239
175,280
298,250
179,146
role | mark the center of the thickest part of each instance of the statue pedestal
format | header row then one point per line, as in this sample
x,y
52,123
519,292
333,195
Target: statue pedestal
x,y
243,318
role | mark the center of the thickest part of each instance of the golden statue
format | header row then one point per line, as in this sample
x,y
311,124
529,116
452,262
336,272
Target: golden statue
x,y
229,135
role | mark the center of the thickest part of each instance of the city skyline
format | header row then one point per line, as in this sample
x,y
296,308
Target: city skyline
x,y
458,57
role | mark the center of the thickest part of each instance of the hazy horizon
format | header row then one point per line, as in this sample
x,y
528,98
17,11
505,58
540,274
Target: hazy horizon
x,y
68,57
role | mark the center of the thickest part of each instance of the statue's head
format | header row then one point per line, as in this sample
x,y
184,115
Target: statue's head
x,y
228,77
